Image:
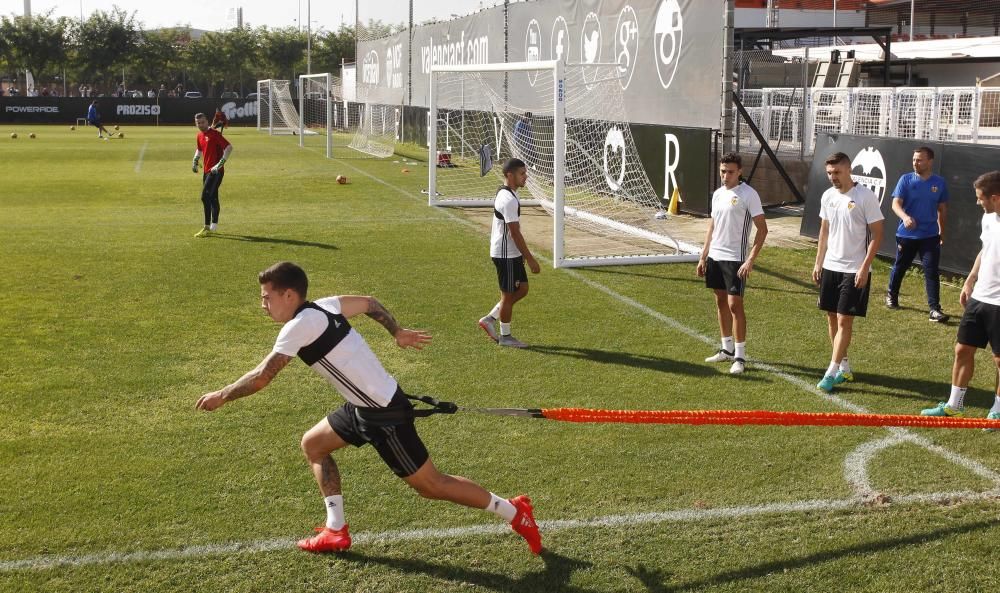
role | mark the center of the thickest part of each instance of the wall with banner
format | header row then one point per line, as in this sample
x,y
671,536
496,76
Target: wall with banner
x,y
879,163
669,52
55,110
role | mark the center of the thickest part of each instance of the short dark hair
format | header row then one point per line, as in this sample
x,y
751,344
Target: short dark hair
x,y
988,183
200,115
285,275
732,157
513,164
837,158
926,150
527,114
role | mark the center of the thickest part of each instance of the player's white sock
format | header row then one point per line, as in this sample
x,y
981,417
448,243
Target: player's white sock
x,y
996,404
501,507
504,329
831,370
213,226
845,367
741,350
495,311
334,511
956,401
727,343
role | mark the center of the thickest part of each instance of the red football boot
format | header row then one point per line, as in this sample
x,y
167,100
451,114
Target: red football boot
x,y
524,523
328,540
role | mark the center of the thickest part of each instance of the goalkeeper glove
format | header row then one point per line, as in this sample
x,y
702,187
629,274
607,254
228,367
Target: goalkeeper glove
x,y
194,165
218,166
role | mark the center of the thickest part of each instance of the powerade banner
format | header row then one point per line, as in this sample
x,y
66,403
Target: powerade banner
x,y
879,163
51,110
668,52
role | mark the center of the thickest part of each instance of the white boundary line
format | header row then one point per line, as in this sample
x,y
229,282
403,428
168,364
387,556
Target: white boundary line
x,y
855,473
142,153
547,527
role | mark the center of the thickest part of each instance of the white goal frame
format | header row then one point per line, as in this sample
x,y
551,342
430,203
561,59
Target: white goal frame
x,y
272,109
558,206
328,130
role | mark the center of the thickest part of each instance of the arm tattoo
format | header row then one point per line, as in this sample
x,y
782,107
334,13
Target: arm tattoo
x,y
258,378
377,312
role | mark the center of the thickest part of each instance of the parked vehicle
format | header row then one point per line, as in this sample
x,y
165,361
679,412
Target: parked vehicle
x,y
192,95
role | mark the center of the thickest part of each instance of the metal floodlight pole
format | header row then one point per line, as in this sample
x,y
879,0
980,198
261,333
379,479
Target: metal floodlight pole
x,y
309,37
913,14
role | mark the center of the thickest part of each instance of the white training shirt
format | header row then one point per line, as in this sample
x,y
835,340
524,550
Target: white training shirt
x,y
733,211
987,288
848,216
350,365
506,209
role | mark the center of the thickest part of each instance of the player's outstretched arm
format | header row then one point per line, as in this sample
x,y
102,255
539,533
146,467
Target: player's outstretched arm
x,y
405,338
248,384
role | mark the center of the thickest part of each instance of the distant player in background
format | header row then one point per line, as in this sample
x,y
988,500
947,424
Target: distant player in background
x,y
724,261
523,139
377,411
509,252
94,119
220,121
980,296
216,150
849,236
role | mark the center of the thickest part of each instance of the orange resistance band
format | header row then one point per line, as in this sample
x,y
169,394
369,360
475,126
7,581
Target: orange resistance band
x,y
742,417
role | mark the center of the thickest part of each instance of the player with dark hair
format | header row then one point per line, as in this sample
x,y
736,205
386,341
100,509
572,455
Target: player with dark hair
x,y
725,263
219,120
849,235
377,410
216,150
920,200
94,119
980,297
509,251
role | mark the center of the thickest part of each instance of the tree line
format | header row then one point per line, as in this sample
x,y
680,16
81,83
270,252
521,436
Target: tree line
x,y
97,51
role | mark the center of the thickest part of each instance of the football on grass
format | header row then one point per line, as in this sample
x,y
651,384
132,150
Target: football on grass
x,y
13,134
341,179
116,127
31,135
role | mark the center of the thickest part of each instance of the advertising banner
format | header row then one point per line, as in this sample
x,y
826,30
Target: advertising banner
x,y
382,72
53,110
879,163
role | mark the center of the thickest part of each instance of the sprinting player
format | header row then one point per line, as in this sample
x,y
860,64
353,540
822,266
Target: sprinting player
x,y
920,200
724,261
981,298
216,150
94,119
377,410
849,236
509,252
219,120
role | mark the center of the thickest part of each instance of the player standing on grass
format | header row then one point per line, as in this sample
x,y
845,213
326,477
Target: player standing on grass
x,y
219,120
94,119
849,235
216,150
509,252
920,200
724,262
377,410
981,298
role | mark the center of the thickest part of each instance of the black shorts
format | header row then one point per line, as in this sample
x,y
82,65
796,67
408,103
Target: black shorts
x,y
398,445
837,294
510,272
980,324
723,275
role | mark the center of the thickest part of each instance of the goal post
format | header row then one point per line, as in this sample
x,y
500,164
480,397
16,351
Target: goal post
x,y
567,123
316,99
276,111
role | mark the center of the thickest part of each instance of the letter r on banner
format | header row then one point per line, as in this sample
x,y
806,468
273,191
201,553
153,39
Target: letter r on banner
x,y
671,158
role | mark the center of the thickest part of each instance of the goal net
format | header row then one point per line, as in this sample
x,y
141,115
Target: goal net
x,y
276,112
567,123
375,125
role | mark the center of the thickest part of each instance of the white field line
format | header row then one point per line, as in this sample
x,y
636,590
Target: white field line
x,y
547,527
855,463
142,153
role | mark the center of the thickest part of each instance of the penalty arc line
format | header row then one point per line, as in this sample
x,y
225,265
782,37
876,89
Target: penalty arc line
x,y
39,563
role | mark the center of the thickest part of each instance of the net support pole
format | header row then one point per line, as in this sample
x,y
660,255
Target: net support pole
x,y
329,116
270,107
258,105
302,111
559,154
432,141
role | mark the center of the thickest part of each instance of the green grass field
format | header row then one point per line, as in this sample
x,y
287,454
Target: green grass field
x,y
114,320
